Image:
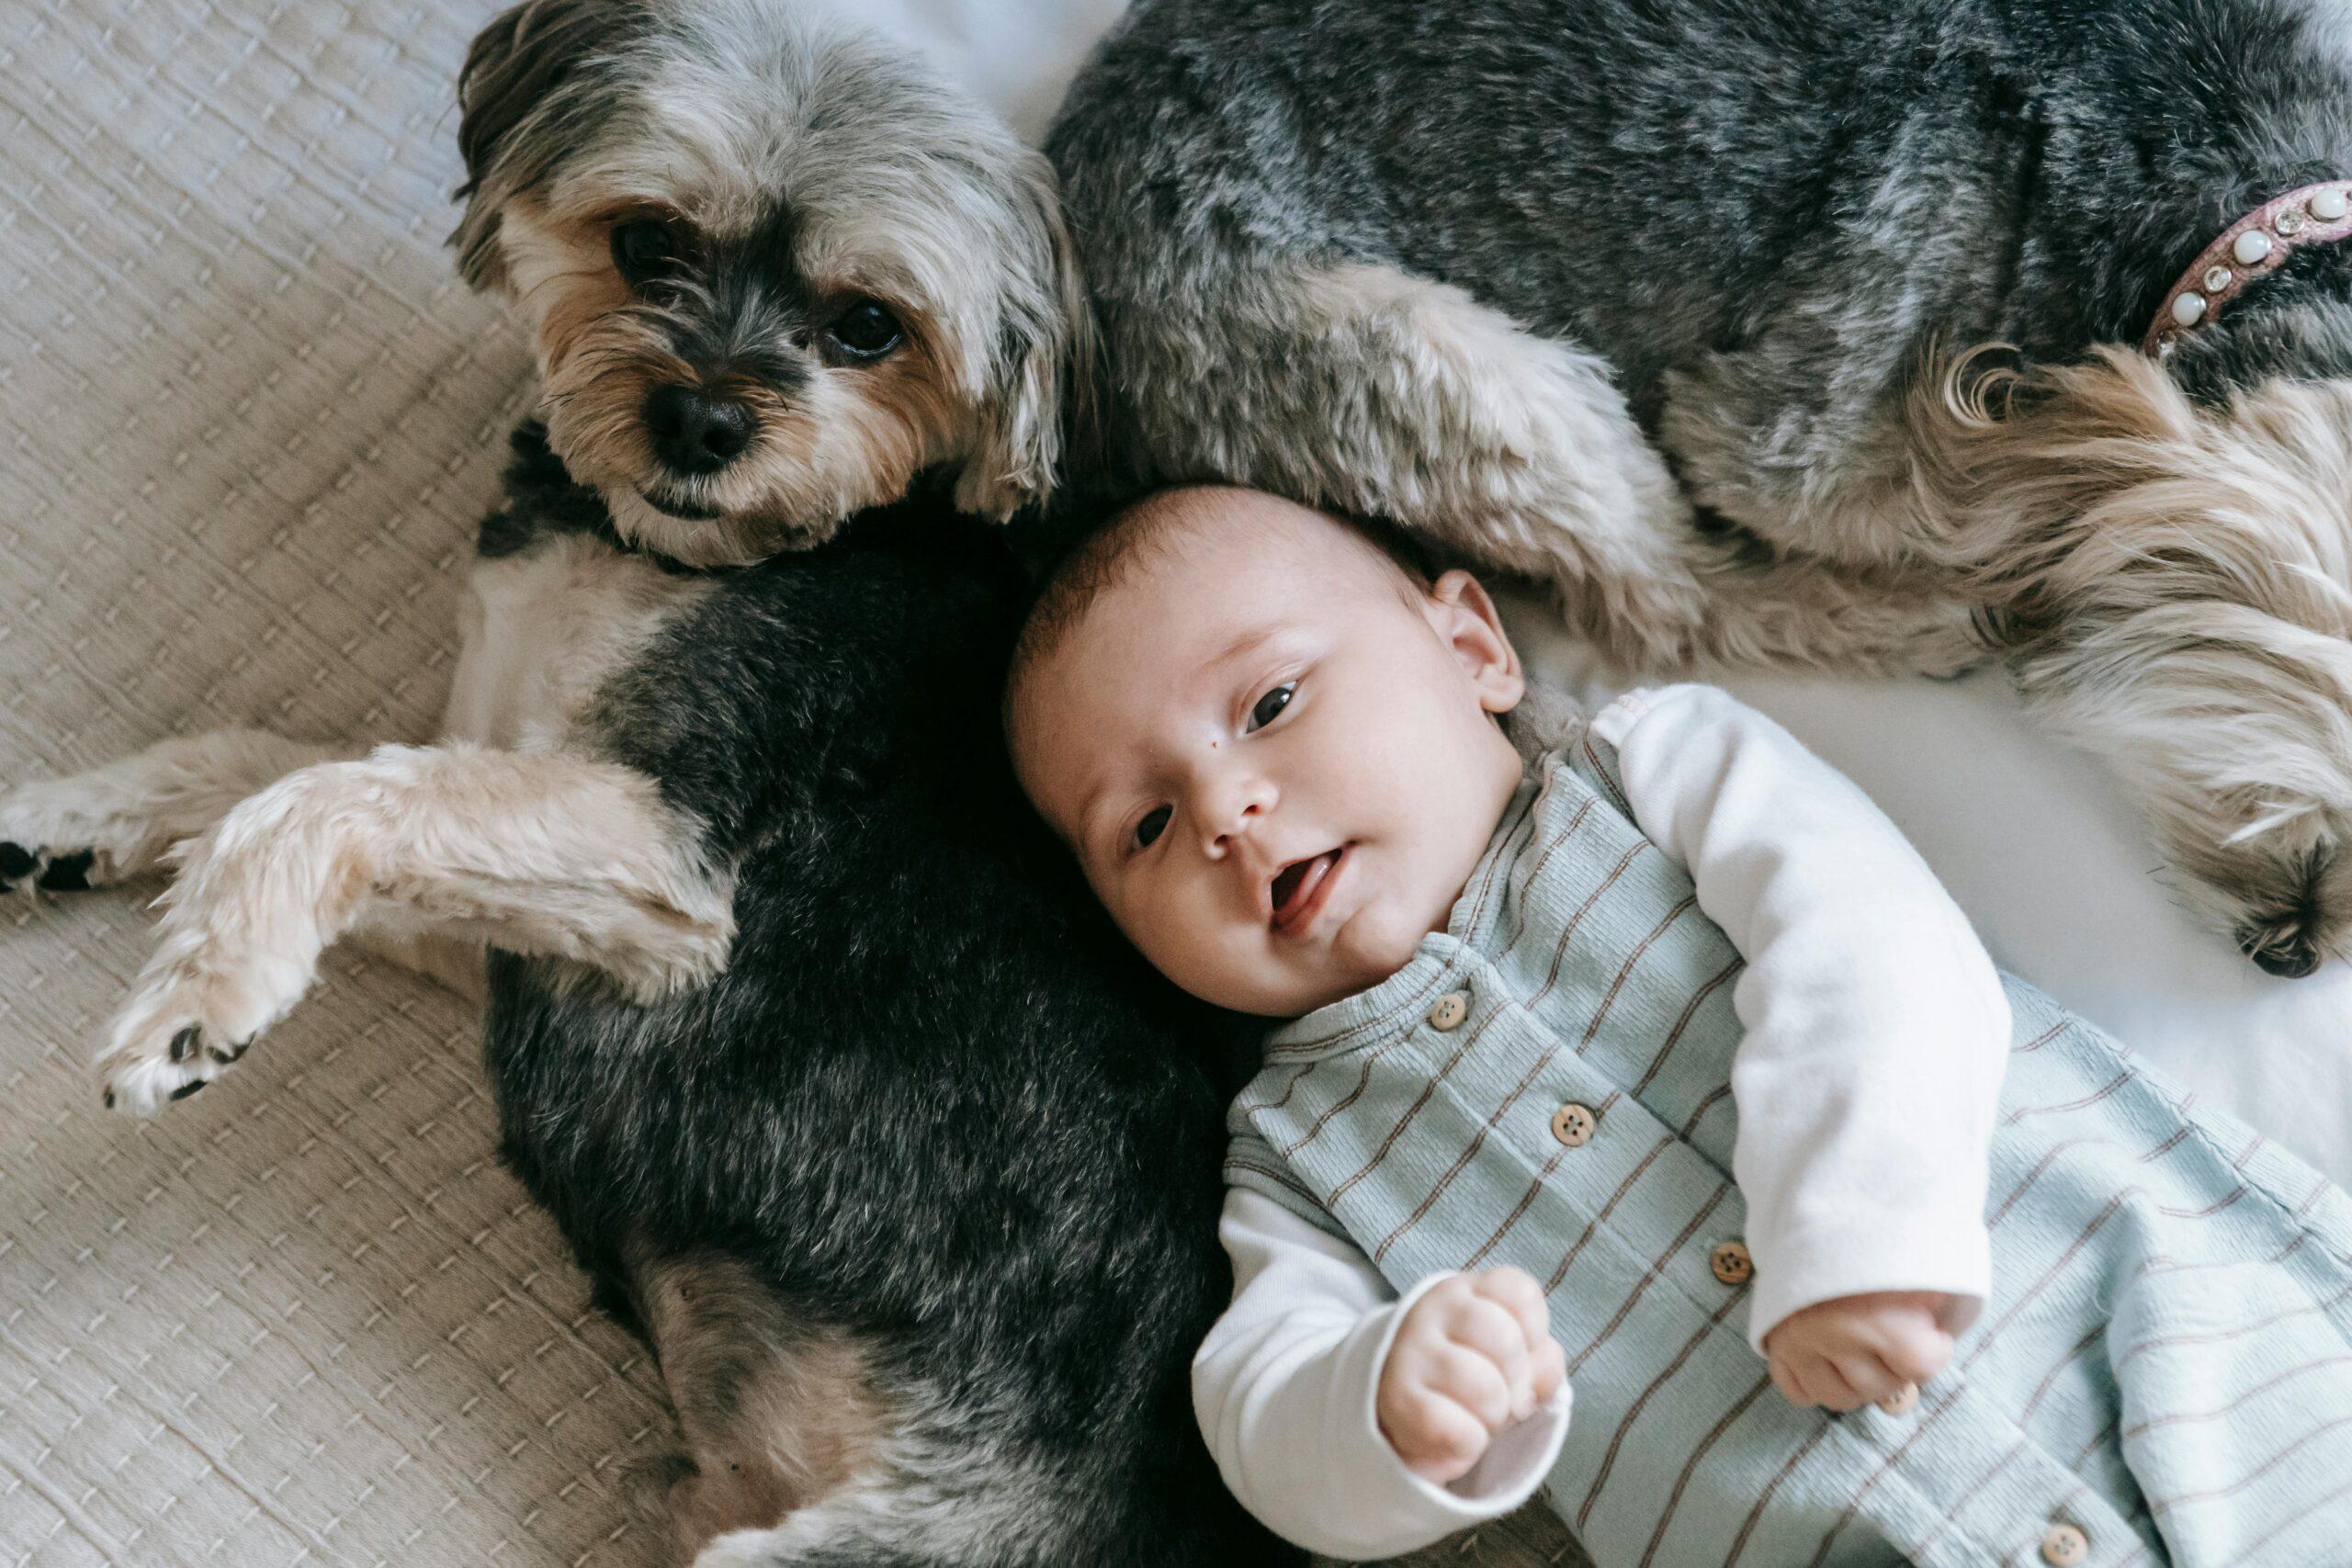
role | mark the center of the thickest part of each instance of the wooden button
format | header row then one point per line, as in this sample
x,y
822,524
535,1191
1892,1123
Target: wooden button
x,y
1731,1263
2065,1546
1451,1010
1903,1401
1573,1124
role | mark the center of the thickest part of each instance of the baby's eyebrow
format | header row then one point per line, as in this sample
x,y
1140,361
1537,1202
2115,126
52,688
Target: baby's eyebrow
x,y
1247,643
1089,829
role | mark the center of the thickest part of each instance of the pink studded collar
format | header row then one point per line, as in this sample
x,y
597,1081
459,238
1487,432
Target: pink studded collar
x,y
2257,243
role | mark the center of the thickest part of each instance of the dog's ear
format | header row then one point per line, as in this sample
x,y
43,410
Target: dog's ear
x,y
514,124
1040,398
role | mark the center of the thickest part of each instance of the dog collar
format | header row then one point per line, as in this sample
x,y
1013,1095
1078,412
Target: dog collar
x,y
2256,245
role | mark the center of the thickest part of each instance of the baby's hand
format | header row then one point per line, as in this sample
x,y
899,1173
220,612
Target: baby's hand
x,y
1857,1349
1472,1357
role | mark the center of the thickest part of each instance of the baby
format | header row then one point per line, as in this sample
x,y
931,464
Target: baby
x,y
1622,1054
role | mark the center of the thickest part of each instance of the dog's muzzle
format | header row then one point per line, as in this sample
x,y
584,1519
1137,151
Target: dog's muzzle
x,y
695,433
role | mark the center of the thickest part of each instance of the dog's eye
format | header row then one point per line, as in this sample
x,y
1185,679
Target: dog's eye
x,y
864,331
644,248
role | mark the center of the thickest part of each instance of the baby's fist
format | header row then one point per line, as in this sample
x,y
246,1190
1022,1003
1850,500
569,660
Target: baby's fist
x,y
1857,1349
1471,1358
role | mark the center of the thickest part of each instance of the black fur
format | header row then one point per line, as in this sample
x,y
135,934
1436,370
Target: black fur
x,y
934,1101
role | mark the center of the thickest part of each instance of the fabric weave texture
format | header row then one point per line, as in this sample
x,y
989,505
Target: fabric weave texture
x,y
251,419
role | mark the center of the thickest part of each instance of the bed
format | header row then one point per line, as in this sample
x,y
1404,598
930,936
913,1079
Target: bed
x,y
250,417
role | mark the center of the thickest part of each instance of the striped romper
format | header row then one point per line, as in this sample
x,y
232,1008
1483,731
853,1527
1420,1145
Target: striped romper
x,y
2162,1373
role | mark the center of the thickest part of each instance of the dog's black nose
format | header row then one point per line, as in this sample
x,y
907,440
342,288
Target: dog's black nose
x,y
693,434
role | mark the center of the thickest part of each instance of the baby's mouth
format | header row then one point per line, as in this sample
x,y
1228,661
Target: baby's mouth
x,y
1300,889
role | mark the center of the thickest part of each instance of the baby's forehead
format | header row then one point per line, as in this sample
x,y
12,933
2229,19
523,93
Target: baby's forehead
x,y
1240,540
1186,573
1207,584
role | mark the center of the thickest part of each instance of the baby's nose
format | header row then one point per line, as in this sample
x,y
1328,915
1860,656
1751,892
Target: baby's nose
x,y
1230,826
1239,813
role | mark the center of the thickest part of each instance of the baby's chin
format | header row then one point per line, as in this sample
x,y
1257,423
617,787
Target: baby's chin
x,y
1293,990
1375,946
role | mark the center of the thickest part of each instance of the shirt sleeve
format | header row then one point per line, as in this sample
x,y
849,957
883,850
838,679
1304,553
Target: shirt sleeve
x,y
1284,1389
1876,1029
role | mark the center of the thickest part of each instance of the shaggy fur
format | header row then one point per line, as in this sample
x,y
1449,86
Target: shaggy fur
x,y
797,171
800,1023
1495,269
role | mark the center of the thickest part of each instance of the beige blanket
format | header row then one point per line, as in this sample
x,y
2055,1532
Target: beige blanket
x,y
247,418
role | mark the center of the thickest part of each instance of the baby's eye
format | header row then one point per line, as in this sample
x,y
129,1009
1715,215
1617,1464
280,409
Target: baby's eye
x,y
1272,703
1154,823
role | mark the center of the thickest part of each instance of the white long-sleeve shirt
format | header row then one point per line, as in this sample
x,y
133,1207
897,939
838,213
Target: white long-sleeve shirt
x,y
1876,1034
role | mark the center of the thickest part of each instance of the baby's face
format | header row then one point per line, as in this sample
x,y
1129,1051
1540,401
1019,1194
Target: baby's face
x,y
1273,751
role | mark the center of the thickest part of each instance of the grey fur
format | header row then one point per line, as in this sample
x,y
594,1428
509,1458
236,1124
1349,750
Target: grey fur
x,y
808,163
1477,266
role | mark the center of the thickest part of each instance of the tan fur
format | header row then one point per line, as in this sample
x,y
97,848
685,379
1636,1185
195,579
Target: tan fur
x,y
429,851
772,1415
544,630
856,437
563,275
2176,584
561,855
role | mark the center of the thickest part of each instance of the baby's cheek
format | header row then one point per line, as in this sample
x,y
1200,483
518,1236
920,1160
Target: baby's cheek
x,y
1204,956
1152,932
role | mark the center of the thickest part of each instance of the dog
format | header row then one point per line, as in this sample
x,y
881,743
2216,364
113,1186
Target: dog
x,y
800,1024
1664,304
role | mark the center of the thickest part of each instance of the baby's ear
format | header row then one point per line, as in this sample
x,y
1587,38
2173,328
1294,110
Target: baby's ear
x,y
1466,618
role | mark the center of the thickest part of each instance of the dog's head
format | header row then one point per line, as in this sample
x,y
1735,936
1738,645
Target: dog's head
x,y
773,269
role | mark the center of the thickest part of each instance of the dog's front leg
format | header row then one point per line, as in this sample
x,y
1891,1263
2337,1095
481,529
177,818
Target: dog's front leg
x,y
1379,392
545,854
115,822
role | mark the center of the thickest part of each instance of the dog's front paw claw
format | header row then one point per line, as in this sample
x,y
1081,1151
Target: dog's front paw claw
x,y
23,869
2286,950
142,1086
164,1058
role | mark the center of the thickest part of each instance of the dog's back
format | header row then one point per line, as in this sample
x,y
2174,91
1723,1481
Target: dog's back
x,y
1665,183
918,1199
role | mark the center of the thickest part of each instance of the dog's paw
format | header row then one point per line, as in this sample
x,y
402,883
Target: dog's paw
x,y
178,1033
25,868
51,842
2293,923
2285,896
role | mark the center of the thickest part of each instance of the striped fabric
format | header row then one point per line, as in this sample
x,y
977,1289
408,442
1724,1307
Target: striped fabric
x,y
2164,1364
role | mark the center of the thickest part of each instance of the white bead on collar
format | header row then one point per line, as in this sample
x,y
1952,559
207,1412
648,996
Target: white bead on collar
x,y
2256,244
